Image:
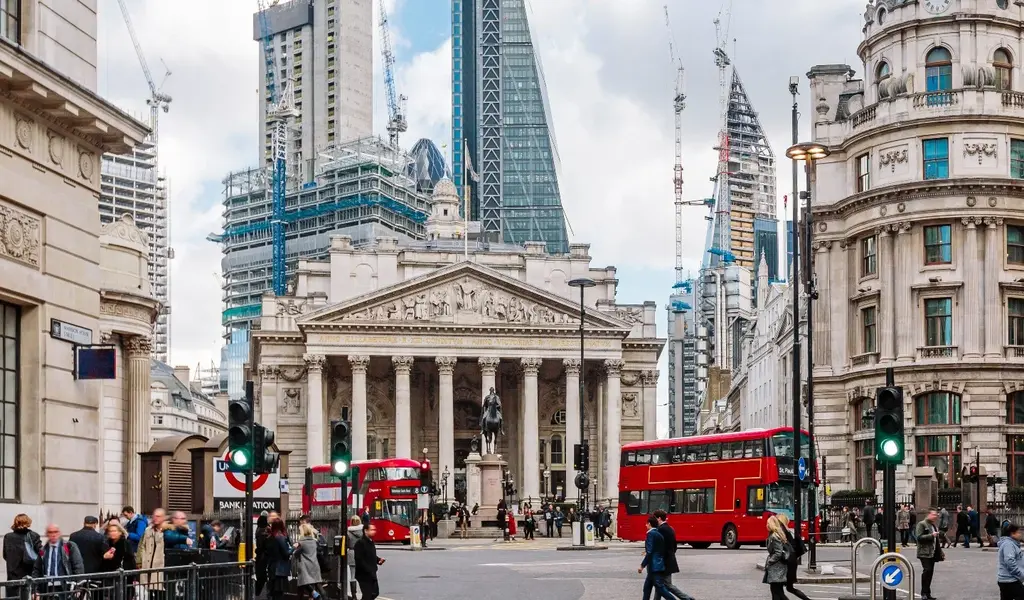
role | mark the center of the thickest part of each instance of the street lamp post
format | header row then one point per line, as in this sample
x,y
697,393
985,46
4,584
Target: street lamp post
x,y
444,483
582,482
809,153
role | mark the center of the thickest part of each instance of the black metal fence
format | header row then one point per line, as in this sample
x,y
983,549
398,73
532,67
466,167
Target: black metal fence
x,y
216,581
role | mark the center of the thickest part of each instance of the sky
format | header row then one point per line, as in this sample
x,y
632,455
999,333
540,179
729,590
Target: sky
x,y
610,85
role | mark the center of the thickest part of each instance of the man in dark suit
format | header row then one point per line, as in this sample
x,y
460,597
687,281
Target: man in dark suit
x,y
671,564
367,563
91,544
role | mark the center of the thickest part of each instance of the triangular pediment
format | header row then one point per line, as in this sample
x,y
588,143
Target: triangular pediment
x,y
462,294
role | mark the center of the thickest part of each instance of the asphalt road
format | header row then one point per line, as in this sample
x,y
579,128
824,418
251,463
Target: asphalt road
x,y
481,570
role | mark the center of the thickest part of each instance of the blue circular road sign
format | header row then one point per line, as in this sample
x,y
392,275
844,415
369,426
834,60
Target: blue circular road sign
x,y
801,469
892,576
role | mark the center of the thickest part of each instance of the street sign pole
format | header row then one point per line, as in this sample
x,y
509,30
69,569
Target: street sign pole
x,y
247,508
889,498
343,533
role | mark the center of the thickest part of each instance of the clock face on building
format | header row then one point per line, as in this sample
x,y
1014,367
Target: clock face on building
x,y
937,7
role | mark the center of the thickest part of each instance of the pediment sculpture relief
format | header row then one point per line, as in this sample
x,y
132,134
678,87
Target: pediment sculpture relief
x,y
466,298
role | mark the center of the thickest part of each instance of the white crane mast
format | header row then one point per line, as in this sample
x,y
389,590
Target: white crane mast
x,y
722,208
678,105
157,100
396,104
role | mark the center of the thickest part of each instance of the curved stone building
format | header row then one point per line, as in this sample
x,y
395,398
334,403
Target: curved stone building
x,y
919,239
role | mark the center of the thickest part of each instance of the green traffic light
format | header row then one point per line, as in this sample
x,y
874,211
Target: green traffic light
x,y
339,467
239,458
890,447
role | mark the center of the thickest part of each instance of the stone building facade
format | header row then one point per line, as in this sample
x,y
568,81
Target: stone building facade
x,y
919,239
410,339
53,129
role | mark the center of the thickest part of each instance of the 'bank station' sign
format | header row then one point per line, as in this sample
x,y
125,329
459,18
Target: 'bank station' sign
x,y
229,489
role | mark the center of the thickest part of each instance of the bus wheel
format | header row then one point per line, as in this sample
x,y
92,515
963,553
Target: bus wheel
x,y
730,539
700,545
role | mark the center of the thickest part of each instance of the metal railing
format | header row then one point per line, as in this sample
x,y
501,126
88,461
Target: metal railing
x,y
217,581
853,560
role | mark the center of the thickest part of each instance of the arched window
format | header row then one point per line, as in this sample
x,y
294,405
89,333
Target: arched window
x,y
883,72
939,451
1004,69
557,455
938,70
882,14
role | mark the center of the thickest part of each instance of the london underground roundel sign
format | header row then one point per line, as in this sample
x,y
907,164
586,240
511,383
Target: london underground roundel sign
x,y
237,480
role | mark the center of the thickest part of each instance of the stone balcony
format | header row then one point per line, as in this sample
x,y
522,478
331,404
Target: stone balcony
x,y
987,102
1013,352
938,352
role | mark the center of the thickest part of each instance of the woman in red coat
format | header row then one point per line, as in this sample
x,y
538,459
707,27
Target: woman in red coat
x,y
512,525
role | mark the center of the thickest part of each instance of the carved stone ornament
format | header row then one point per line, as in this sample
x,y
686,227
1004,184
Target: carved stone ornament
x,y
314,362
56,148
572,366
631,315
291,402
290,373
138,346
971,222
649,378
825,245
290,307
883,211
127,230
892,158
980,150
402,363
823,227
993,221
613,367
359,363
629,378
23,133
86,165
531,366
124,310
466,297
488,364
971,201
630,406
901,207
992,201
19,235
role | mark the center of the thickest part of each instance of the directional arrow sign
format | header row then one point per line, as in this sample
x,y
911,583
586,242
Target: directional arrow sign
x,y
801,469
892,576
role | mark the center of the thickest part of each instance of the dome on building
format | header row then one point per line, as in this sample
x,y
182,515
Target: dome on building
x,y
428,165
444,188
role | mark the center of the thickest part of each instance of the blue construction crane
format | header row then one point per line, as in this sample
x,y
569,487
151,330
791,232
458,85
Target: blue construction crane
x,y
727,257
279,108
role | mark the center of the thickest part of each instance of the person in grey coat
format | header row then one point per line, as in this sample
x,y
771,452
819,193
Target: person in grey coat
x,y
355,532
928,551
776,566
305,565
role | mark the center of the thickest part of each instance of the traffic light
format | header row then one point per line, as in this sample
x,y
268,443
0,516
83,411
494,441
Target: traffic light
x,y
971,474
585,466
889,436
577,457
240,433
425,474
341,448
265,460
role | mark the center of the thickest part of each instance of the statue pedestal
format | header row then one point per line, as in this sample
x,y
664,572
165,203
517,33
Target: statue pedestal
x,y
484,484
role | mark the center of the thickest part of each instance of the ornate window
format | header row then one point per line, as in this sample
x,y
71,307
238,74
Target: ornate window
x,y
1015,408
937,408
865,464
1015,318
1004,69
371,446
863,172
882,72
868,329
943,453
936,158
938,245
860,409
557,451
869,256
1015,244
938,70
938,321
1015,460
10,369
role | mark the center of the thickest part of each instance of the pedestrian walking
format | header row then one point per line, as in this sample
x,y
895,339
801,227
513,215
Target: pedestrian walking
x,y
944,524
903,525
868,516
913,523
975,520
559,520
991,528
1010,572
355,533
279,566
963,527
549,521
150,555
654,560
463,515
21,550
668,534
776,566
928,551
503,519
305,563
91,545
119,553
529,524
512,528
135,524
57,558
605,523
262,535
367,563
798,550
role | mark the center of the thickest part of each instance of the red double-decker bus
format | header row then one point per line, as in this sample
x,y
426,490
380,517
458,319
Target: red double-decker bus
x,y
715,488
386,488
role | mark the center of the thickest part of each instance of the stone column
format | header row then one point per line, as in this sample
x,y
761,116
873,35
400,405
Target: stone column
x,y
572,413
973,292
445,415
315,409
531,430
649,385
403,406
906,349
359,366
820,309
994,251
488,370
613,425
267,413
886,320
839,305
137,401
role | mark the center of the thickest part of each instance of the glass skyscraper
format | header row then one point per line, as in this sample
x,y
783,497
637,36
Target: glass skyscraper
x,y
501,125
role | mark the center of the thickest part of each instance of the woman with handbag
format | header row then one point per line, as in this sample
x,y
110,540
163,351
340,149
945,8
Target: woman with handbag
x,y
21,549
776,566
279,565
794,558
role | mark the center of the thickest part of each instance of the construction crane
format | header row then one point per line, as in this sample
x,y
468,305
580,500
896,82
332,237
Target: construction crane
x,y
722,210
157,100
279,109
396,104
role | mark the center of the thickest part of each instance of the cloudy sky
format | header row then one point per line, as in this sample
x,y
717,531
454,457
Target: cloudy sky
x,y
610,86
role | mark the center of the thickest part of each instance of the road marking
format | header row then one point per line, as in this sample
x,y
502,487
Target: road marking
x,y
536,564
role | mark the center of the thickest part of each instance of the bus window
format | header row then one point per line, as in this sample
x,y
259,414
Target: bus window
x,y
628,459
678,501
679,455
702,453
748,448
726,451
661,456
635,502
691,454
758,448
737,449
700,500
755,500
643,457
714,451
659,499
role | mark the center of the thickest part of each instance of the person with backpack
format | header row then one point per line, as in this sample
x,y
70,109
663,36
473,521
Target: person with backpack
x,y
57,558
21,549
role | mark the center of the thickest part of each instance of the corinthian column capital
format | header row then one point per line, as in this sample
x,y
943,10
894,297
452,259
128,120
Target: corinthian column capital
x,y
314,362
488,364
446,364
572,366
402,363
138,346
614,367
531,365
359,363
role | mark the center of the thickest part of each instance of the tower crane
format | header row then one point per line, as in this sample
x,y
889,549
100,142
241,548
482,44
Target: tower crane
x,y
157,100
280,107
722,210
396,104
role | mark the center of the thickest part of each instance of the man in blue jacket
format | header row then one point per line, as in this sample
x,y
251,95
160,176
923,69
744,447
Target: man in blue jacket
x,y
654,560
135,525
1010,574
671,565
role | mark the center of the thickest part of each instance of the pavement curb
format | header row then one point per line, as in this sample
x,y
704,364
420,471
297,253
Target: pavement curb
x,y
580,548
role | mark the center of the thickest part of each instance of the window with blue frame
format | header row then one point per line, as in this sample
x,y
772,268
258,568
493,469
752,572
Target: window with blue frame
x,y
938,70
1017,159
936,158
938,245
938,321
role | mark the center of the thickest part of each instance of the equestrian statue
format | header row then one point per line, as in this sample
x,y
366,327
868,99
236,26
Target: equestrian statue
x,y
491,423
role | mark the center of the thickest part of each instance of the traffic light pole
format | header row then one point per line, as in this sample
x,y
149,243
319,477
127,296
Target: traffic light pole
x,y
889,497
343,533
247,511
795,282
